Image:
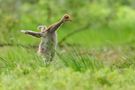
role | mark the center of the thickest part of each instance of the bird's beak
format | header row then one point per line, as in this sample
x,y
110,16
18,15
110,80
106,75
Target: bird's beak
x,y
70,20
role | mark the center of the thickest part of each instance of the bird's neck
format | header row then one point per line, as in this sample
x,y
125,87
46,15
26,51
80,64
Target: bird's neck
x,y
60,22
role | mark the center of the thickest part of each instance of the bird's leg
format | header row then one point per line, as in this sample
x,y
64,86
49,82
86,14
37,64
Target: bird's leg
x,y
32,33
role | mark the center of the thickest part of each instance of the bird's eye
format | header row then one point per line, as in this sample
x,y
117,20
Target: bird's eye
x,y
66,17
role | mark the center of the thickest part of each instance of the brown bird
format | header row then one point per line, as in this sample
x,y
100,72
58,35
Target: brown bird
x,y
48,37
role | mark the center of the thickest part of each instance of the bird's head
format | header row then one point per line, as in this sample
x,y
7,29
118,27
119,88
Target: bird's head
x,y
66,17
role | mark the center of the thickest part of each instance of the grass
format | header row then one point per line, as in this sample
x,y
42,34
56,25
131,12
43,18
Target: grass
x,y
75,68
26,75
98,58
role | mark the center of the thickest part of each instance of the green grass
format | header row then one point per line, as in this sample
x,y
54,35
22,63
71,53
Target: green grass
x,y
100,57
73,69
96,59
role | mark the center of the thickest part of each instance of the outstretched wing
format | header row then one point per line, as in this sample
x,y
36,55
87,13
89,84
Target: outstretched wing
x,y
32,33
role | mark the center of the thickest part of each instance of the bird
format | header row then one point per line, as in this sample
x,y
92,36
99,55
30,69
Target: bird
x,y
48,43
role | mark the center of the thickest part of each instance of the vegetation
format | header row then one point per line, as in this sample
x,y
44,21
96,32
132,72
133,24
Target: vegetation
x,y
97,53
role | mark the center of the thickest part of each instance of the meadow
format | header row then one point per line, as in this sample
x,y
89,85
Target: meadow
x,y
97,53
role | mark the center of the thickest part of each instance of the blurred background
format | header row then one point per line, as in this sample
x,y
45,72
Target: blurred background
x,y
95,22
